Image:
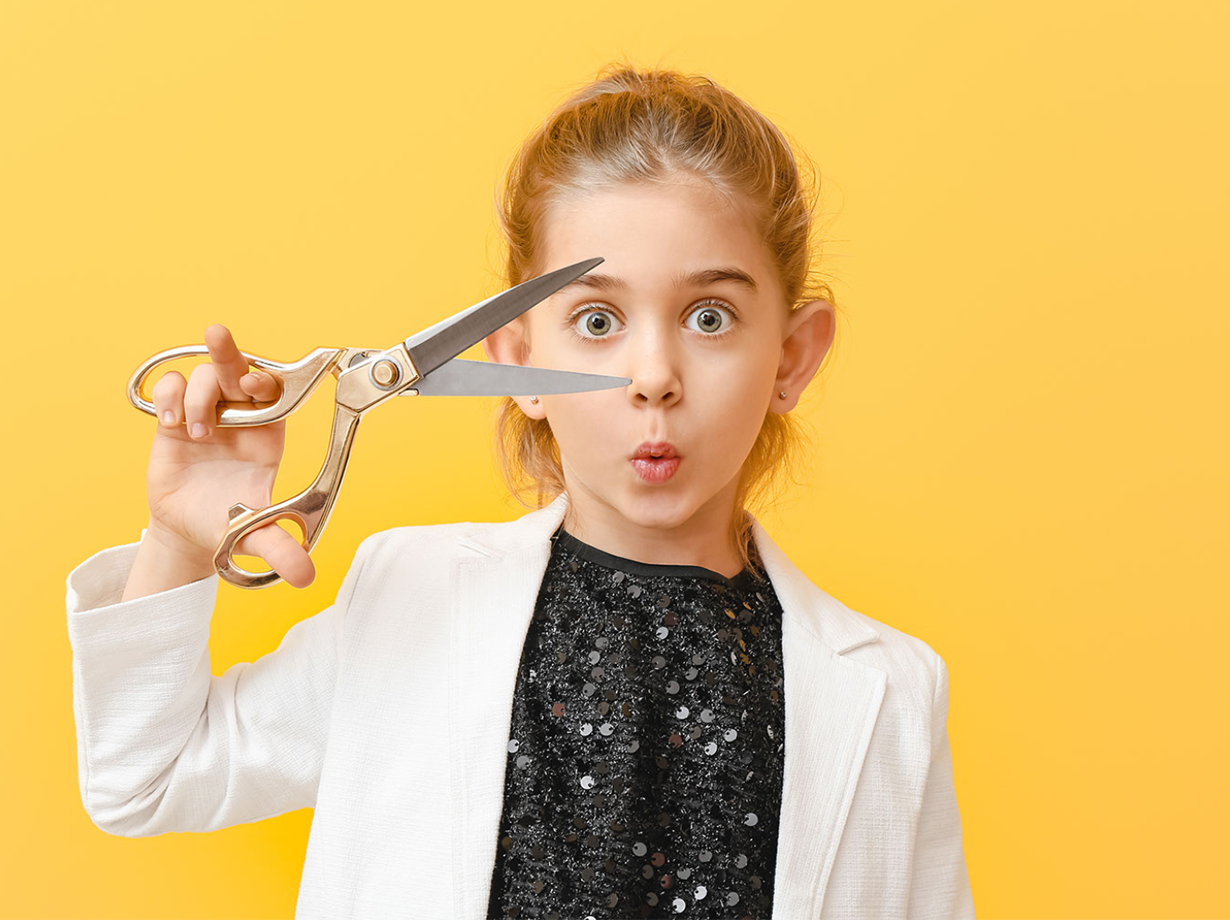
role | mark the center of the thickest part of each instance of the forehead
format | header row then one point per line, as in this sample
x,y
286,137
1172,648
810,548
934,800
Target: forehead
x,y
656,234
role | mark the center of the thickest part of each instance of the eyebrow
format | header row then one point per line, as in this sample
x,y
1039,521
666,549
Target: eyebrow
x,y
699,278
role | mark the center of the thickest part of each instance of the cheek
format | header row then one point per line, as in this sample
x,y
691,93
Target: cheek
x,y
739,382
582,424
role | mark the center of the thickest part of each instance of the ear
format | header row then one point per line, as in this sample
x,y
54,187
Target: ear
x,y
808,336
510,345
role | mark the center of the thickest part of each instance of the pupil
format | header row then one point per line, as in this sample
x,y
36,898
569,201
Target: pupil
x,y
596,323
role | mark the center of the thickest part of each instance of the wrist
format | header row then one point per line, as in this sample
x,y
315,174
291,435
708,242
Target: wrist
x,y
169,543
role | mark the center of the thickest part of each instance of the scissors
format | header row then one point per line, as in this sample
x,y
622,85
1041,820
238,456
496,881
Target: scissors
x,y
423,365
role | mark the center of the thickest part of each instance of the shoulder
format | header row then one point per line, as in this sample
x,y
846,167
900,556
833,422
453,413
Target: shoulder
x,y
900,652
437,545
909,662
431,542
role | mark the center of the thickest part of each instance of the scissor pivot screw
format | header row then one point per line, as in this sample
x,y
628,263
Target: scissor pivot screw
x,y
385,373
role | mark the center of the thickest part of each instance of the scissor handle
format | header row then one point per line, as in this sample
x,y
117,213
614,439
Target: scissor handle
x,y
299,380
309,509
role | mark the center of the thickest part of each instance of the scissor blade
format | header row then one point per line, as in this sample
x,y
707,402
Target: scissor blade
x,y
485,378
446,339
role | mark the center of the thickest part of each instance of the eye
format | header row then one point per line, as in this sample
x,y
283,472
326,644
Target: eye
x,y
594,324
711,319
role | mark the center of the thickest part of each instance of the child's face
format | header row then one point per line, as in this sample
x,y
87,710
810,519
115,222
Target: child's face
x,y
707,358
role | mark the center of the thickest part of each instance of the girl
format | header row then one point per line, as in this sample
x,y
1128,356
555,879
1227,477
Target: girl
x,y
626,703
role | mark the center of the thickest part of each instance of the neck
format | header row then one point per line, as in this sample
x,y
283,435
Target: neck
x,y
703,539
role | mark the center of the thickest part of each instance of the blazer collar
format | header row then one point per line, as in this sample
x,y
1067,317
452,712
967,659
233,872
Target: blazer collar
x,y
832,704
829,620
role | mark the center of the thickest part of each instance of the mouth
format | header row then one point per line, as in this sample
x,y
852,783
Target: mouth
x,y
655,462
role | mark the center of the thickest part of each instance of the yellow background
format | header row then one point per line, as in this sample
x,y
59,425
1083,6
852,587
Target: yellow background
x,y
1021,437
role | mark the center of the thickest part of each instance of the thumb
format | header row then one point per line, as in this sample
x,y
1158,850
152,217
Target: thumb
x,y
281,552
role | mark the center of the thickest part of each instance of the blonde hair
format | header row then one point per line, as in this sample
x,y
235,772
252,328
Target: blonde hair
x,y
655,126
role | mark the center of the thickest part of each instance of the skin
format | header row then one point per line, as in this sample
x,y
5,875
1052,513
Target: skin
x,y
705,392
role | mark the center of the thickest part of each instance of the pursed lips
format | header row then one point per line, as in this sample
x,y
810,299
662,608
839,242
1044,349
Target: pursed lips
x,y
655,462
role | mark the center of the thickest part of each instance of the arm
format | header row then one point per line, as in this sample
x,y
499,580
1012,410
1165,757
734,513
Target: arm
x,y
162,744
939,885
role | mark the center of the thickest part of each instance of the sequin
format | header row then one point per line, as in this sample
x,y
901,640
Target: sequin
x,y
595,824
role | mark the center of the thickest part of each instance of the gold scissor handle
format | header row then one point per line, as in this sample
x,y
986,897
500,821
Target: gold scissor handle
x,y
365,379
299,380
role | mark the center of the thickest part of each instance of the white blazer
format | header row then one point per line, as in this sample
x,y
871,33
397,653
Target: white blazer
x,y
388,712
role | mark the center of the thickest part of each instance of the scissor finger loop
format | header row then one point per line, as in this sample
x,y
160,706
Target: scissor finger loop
x,y
310,509
298,381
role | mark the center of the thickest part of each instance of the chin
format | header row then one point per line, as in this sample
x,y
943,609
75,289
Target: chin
x,y
658,508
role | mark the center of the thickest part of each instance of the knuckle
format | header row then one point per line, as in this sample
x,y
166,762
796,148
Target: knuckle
x,y
166,386
203,386
203,372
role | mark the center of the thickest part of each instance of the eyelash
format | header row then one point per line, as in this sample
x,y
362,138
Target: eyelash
x,y
571,322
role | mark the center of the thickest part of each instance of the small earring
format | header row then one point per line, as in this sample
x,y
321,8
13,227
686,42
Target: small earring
x,y
781,394
533,399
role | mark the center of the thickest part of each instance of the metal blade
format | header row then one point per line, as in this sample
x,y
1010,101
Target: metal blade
x,y
485,378
446,339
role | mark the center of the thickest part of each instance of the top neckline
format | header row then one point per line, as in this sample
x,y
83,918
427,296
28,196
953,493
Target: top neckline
x,y
745,580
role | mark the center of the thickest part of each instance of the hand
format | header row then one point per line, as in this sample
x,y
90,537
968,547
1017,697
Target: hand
x,y
198,469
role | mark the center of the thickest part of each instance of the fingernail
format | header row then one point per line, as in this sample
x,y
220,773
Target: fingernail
x,y
168,418
199,430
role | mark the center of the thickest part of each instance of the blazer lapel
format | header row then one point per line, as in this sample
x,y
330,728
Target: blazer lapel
x,y
831,707
495,588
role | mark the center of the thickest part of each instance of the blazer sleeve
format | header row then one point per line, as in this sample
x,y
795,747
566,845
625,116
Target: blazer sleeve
x,y
939,882
163,744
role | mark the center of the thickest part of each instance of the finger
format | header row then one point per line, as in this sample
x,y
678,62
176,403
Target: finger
x,y
168,395
281,552
201,401
229,364
260,387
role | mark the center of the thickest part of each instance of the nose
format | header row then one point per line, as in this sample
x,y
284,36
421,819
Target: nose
x,y
656,380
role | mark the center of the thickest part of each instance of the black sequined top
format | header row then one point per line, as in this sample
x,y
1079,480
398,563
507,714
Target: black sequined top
x,y
644,771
